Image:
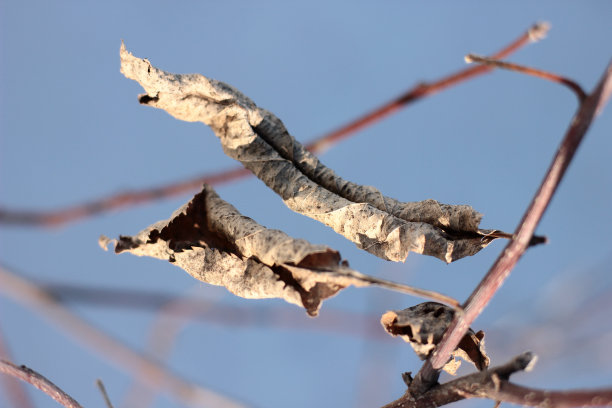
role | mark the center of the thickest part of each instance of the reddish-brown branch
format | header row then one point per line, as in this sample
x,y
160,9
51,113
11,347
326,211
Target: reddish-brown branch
x,y
500,270
147,371
538,73
115,202
535,33
122,200
39,381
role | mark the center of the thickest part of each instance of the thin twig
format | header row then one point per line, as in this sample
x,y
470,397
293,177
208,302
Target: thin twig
x,y
535,33
39,381
77,212
102,389
26,293
14,389
504,264
558,79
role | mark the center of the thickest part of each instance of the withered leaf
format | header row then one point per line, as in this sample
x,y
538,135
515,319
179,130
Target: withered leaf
x,y
258,139
214,243
423,326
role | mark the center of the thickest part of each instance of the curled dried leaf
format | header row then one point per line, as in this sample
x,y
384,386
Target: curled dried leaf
x,y
378,224
424,325
216,244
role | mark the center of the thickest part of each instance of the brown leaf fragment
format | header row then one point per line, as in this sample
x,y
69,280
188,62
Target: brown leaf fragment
x,y
214,243
378,224
424,325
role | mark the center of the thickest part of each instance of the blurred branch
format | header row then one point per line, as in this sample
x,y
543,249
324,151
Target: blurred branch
x,y
162,336
588,109
14,389
361,325
587,306
493,384
352,324
74,213
28,375
148,371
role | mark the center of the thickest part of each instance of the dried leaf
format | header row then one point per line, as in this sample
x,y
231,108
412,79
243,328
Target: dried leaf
x,y
381,225
423,326
214,243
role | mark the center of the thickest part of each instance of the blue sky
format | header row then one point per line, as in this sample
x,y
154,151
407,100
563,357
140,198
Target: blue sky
x,y
71,130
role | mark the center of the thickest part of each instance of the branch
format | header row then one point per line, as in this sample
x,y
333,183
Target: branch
x,y
345,323
493,384
577,89
147,370
77,212
533,34
504,264
14,389
102,389
28,375
350,324
517,394
162,337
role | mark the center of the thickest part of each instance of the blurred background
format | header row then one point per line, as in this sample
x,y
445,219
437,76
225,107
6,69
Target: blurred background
x,y
71,131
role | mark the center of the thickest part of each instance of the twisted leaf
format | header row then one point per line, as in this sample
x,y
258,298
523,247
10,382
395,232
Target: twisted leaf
x,y
381,225
214,243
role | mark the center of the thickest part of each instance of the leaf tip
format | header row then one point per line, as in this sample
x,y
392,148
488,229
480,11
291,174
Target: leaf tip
x,y
123,52
387,320
104,241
